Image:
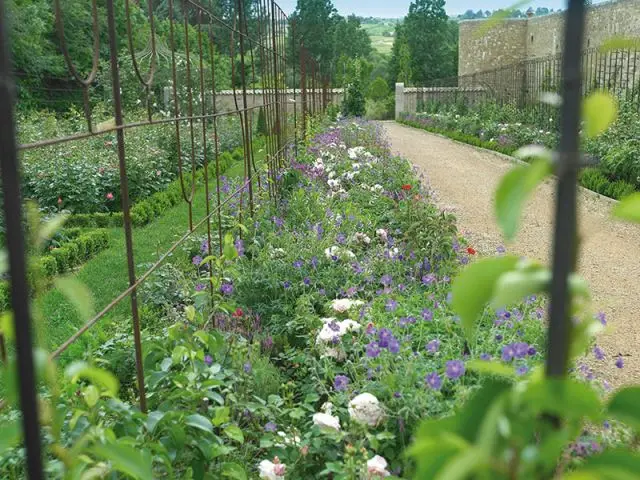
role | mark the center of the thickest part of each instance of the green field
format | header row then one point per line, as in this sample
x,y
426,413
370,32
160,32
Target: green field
x,y
381,33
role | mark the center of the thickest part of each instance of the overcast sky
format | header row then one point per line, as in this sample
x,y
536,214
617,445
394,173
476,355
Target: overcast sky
x,y
399,8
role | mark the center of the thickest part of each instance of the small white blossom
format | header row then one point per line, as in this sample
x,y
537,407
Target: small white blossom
x,y
278,253
377,467
326,421
377,188
272,471
362,238
341,305
382,234
366,409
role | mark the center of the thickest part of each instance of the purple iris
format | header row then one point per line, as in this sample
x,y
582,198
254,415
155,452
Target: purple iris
x,y
433,381
455,369
485,357
340,383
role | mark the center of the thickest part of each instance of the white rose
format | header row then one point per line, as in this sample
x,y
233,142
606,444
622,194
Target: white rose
x,y
326,421
271,471
377,467
382,234
363,238
341,305
287,439
366,409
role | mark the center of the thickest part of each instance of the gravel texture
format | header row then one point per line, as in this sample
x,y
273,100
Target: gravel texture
x,y
464,179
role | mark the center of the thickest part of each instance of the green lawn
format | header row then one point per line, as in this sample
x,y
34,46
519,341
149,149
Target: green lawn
x,y
106,275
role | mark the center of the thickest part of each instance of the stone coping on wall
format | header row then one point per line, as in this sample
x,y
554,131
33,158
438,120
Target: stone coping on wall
x,y
443,89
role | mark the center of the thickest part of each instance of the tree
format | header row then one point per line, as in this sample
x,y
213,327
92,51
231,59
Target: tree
x,y
378,90
350,39
432,41
355,103
313,24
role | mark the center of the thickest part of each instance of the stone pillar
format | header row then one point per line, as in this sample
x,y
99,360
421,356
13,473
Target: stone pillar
x,y
399,99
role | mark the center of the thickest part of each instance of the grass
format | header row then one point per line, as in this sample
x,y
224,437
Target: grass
x,y
105,276
376,32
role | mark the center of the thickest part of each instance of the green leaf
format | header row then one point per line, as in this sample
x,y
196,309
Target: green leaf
x,y
624,406
200,422
515,187
566,398
491,368
10,434
473,288
234,433
95,375
234,470
620,43
513,286
153,419
49,228
4,262
229,251
91,395
78,295
125,459
221,415
612,464
599,111
628,208
462,465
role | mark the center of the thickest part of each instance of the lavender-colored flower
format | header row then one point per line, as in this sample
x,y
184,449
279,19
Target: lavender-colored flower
x,y
433,381
357,269
520,349
428,279
384,335
341,238
499,337
247,367
500,249
373,350
340,383
532,351
267,343
200,287
270,427
391,305
306,281
454,369
226,288
433,346
298,263
204,246
333,325
619,362
286,284
507,353
427,315
278,222
208,360
598,352
314,262
522,370
602,317
197,260
239,244
397,395
386,280
394,345
485,356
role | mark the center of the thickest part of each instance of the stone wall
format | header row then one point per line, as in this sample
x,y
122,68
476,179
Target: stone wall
x,y
413,99
527,39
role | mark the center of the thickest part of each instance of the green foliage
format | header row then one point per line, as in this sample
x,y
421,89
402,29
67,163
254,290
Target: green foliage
x,y
378,90
261,127
354,103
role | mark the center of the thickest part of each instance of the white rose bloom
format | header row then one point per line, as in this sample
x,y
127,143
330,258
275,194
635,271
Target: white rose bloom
x,y
377,467
287,439
366,409
341,305
332,174
334,329
363,238
271,471
382,234
326,421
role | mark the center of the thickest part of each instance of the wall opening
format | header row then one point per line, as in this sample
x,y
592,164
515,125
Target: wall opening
x,y
531,38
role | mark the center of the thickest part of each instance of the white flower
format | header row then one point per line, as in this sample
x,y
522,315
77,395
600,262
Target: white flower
x,y
363,238
272,471
331,174
278,253
333,183
326,421
333,329
287,439
341,305
394,252
336,251
377,467
382,234
377,188
366,409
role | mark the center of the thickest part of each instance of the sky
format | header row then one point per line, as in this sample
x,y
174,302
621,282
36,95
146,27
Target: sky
x,y
399,8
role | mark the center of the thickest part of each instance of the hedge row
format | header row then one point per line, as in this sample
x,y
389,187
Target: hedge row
x,y
59,260
149,209
590,178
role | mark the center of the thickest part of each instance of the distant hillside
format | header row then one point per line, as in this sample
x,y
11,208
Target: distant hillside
x,y
381,31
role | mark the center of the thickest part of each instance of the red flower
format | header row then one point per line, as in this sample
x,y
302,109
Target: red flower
x,y
238,313
471,251
406,187
109,196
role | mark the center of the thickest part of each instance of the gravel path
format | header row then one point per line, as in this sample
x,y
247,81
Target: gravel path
x,y
464,179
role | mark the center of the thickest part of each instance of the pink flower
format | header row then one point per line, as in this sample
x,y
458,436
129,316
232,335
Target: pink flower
x,y
109,196
59,200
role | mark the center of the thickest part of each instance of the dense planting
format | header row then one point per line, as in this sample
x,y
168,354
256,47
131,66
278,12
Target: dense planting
x,y
505,129
329,337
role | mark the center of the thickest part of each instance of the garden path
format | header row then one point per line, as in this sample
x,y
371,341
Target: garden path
x,y
464,179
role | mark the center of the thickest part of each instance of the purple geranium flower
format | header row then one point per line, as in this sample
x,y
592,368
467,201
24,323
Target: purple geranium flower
x,y
239,244
507,353
455,369
394,345
434,381
340,383
427,315
200,287
197,260
391,305
226,288
384,335
386,280
208,360
522,370
270,427
298,263
428,279
373,350
598,352
485,357
619,362
247,367
520,349
433,346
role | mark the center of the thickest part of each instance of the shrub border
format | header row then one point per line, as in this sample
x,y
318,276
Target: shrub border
x,y
494,148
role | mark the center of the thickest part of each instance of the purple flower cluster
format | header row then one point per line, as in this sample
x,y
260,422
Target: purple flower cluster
x,y
517,350
340,383
387,340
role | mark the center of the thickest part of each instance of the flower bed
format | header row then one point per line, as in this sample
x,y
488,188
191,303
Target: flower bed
x,y
506,130
332,333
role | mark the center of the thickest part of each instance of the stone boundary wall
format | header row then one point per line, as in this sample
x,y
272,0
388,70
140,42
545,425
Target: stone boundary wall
x,y
411,99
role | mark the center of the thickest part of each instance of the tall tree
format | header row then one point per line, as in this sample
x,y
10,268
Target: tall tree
x,y
432,41
314,22
350,39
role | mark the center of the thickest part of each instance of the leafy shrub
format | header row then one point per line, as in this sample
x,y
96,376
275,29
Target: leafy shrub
x,y
378,90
